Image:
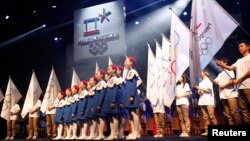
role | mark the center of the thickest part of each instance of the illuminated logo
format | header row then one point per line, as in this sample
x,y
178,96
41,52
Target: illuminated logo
x,y
101,17
98,44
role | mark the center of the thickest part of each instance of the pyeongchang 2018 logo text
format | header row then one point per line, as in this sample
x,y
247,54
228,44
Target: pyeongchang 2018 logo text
x,y
97,43
206,45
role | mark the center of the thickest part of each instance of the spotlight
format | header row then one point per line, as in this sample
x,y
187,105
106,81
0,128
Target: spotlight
x,y
34,11
7,17
54,6
44,25
136,22
55,38
238,3
185,13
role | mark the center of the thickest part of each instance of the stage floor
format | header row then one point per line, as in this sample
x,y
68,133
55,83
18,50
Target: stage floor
x,y
149,138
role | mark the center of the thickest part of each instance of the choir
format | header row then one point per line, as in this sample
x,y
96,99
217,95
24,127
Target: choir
x,y
112,96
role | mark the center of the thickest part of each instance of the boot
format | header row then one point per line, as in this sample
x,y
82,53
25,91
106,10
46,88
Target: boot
x,y
74,126
59,132
100,129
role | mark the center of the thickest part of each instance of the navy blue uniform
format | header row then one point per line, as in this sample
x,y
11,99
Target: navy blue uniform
x,y
99,97
121,93
91,104
74,105
67,110
82,104
131,89
59,105
111,97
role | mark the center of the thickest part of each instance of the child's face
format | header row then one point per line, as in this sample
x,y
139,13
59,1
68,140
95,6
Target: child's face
x,y
110,70
92,81
73,90
88,86
128,63
118,72
82,86
68,93
59,95
98,75
106,77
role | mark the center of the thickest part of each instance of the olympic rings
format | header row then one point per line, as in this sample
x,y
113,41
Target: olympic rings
x,y
206,46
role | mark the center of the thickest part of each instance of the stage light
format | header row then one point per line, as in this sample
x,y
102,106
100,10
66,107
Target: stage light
x,y
44,25
158,21
7,17
34,11
55,38
20,37
54,6
238,3
185,13
137,22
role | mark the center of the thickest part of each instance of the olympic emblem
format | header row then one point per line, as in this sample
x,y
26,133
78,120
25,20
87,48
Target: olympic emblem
x,y
104,15
96,48
206,46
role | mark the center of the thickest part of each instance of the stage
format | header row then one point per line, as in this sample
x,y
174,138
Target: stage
x,y
150,138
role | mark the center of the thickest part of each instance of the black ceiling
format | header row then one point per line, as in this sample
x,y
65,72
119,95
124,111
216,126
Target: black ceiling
x,y
38,51
23,19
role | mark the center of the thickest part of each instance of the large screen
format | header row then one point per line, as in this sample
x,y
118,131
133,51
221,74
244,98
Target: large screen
x,y
99,31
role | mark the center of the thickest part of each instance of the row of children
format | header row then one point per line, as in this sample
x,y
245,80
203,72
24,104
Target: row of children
x,y
105,95
110,95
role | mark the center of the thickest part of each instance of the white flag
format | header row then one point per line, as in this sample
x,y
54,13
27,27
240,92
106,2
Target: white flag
x,y
180,41
165,63
33,94
211,25
75,79
110,62
12,96
194,56
168,88
172,63
151,77
96,67
52,89
159,74
1,96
